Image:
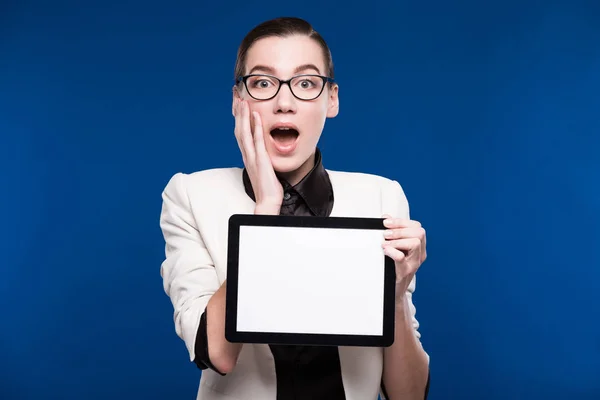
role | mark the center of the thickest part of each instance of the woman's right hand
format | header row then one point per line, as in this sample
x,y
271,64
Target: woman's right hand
x,y
267,188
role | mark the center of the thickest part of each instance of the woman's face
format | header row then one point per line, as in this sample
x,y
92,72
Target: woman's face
x,y
292,150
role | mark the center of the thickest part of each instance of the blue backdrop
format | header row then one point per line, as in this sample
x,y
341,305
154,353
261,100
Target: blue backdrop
x,y
486,112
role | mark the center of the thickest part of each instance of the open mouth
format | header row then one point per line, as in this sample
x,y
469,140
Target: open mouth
x,y
284,138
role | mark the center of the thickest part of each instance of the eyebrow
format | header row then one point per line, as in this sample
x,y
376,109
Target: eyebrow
x,y
270,70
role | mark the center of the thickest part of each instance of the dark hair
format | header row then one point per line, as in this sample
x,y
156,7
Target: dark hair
x,y
282,27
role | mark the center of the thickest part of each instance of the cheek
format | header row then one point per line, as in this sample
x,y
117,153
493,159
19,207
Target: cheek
x,y
314,110
254,106
316,117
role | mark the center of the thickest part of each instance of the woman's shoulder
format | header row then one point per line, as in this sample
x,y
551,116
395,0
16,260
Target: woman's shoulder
x,y
361,178
377,188
208,176
362,182
214,179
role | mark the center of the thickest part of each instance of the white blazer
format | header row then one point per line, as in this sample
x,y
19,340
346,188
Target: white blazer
x,y
194,221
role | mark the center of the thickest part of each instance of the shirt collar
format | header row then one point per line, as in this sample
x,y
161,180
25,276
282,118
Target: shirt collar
x,y
315,188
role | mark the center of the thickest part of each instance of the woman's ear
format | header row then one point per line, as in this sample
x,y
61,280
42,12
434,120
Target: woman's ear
x,y
333,102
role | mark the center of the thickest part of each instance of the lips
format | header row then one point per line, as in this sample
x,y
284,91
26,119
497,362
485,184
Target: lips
x,y
284,137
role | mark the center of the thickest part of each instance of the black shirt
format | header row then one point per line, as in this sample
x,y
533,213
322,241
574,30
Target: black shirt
x,y
303,372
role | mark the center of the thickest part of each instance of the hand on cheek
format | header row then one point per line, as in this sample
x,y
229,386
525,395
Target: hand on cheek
x,y
250,138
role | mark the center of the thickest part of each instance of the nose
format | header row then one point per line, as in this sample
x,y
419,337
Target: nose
x,y
285,101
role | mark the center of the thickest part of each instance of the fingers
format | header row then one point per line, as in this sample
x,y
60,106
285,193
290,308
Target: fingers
x,y
403,244
404,266
405,236
394,254
245,131
390,222
259,139
402,233
238,128
250,135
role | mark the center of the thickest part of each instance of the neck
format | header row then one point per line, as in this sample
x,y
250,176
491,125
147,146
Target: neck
x,y
294,177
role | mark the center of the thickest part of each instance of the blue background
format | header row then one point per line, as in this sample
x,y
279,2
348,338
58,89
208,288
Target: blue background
x,y
486,112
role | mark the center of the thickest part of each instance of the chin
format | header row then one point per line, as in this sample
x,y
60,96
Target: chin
x,y
285,165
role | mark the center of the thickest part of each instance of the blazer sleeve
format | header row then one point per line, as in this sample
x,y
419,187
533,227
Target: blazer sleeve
x,y
188,272
396,204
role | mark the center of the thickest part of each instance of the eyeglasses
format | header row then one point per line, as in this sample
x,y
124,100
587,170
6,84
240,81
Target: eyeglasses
x,y
303,87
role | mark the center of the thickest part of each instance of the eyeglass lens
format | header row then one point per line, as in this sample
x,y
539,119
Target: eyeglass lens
x,y
264,87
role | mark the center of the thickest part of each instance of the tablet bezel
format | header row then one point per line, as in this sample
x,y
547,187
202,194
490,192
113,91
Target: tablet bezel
x,y
234,336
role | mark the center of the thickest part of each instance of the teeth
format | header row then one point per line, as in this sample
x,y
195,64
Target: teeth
x,y
283,128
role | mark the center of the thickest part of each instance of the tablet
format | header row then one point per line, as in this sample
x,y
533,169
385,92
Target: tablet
x,y
309,281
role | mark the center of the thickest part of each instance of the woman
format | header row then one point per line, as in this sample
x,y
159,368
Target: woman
x,y
283,94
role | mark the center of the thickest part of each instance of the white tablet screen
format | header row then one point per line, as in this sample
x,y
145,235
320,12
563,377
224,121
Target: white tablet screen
x,y
310,280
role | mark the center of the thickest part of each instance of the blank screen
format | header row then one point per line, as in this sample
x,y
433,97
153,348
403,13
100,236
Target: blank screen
x,y
310,280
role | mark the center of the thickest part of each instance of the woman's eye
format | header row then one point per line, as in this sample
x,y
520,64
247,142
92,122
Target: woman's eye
x,y
262,84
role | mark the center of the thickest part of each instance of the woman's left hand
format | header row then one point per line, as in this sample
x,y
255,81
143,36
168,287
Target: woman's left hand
x,y
405,243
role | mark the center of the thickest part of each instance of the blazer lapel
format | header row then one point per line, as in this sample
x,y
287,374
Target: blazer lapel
x,y
349,200
342,206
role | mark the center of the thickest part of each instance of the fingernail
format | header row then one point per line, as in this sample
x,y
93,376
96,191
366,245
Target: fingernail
x,y
388,233
387,222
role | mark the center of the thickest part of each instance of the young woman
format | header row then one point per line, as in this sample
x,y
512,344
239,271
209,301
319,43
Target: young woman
x,y
283,94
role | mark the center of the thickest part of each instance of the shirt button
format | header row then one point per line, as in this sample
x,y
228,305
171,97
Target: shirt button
x,y
287,196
